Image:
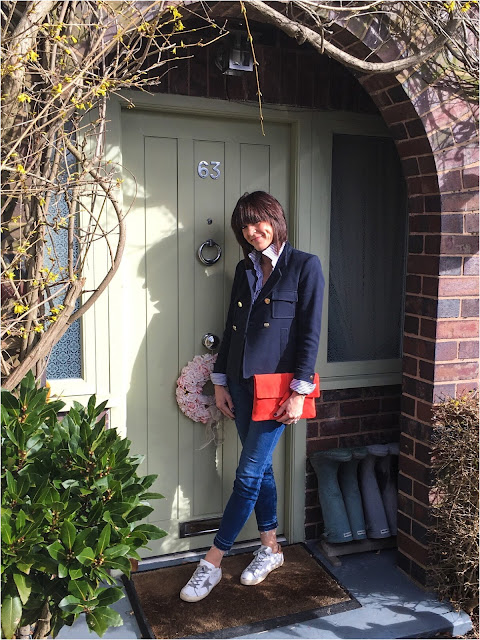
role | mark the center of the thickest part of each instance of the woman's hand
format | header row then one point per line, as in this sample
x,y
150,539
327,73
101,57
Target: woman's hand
x,y
290,411
223,401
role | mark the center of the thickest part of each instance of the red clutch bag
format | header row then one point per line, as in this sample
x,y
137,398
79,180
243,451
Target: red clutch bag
x,y
272,389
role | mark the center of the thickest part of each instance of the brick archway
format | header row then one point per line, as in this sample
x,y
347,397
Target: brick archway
x,y
436,133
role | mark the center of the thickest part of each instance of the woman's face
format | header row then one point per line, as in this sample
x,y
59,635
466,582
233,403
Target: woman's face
x,y
258,234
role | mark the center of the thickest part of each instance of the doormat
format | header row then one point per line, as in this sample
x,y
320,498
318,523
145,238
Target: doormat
x,y
302,589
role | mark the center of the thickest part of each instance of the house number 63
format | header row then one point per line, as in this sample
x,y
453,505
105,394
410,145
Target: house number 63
x,y
206,169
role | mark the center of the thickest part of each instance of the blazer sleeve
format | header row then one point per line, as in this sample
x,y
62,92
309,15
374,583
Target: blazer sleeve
x,y
309,318
220,365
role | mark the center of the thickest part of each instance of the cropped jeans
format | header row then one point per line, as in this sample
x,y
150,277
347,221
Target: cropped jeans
x,y
254,486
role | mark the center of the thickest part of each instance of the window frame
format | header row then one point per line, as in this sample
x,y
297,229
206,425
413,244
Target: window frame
x,y
94,324
362,373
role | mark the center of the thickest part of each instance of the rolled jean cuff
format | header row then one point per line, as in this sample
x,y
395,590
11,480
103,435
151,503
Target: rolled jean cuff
x,y
221,544
268,527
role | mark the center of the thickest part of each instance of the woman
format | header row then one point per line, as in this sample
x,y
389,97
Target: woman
x,y
273,326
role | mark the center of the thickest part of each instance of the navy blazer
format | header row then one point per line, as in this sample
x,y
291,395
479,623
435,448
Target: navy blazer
x,y
279,333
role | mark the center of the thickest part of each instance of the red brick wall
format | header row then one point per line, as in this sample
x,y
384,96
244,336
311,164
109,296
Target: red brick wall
x,y
289,75
436,132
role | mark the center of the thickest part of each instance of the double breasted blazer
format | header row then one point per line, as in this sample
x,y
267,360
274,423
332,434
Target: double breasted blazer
x,y
280,331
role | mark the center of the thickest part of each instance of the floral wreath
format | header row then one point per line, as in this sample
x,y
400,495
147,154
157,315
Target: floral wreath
x,y
196,405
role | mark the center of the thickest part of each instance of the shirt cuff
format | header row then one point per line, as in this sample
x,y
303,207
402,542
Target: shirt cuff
x,y
219,378
301,386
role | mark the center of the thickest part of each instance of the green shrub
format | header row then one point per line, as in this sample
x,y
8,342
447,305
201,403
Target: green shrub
x,y
455,531
71,501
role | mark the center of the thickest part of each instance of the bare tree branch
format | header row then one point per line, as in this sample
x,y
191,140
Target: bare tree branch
x,y
305,34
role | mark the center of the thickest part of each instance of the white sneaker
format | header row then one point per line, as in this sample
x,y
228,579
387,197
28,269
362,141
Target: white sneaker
x,y
264,562
204,578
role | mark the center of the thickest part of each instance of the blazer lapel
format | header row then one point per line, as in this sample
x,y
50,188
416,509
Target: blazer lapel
x,y
270,283
251,280
276,273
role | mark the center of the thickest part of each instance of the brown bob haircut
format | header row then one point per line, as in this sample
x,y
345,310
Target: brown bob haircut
x,y
259,206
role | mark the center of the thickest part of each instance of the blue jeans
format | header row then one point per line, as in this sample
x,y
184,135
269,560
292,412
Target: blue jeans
x,y
254,485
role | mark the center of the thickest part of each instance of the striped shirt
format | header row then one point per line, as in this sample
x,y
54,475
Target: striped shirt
x,y
300,386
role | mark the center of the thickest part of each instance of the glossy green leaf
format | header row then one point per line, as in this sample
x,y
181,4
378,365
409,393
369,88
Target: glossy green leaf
x,y
152,496
109,595
24,483
134,489
71,603
44,563
102,618
81,589
80,540
104,539
20,520
86,557
7,536
11,484
57,551
34,444
120,508
70,483
75,574
68,534
140,512
121,563
24,567
147,481
11,435
117,550
11,614
5,416
24,586
153,532
62,570
10,402
115,520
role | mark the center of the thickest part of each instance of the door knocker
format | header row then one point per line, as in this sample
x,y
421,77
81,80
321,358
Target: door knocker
x,y
209,261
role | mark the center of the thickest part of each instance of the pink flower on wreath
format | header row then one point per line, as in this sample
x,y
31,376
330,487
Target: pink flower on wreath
x,y
189,393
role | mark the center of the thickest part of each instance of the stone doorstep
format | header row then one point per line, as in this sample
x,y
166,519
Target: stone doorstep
x,y
393,606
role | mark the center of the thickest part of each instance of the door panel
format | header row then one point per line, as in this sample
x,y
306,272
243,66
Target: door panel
x,y
172,299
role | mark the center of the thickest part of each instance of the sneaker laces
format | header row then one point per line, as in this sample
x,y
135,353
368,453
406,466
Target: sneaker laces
x,y
260,556
199,575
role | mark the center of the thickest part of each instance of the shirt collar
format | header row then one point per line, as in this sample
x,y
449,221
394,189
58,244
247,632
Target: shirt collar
x,y
270,252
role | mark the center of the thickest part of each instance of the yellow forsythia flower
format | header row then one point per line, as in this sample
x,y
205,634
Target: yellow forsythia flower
x,y
24,97
21,168
56,89
32,55
102,89
39,328
20,308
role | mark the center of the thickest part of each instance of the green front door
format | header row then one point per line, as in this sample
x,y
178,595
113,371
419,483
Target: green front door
x,y
187,174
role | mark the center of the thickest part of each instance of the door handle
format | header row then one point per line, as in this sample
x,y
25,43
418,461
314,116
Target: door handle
x,y
210,341
209,243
